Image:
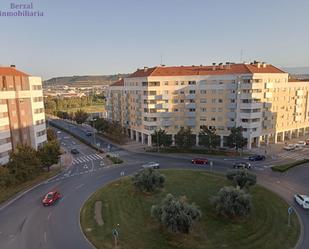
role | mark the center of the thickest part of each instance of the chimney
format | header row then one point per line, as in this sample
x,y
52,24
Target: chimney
x,y
145,69
13,66
213,66
264,65
221,65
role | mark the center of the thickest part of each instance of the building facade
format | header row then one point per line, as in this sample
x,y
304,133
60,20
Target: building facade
x,y
261,98
22,116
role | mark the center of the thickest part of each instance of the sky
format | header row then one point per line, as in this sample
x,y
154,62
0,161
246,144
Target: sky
x,y
94,37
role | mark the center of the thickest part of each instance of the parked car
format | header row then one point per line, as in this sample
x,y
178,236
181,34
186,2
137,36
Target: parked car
x,y
307,141
74,151
50,198
302,200
256,158
289,147
242,165
152,165
199,161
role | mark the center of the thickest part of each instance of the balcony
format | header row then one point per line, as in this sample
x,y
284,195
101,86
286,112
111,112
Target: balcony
x,y
267,105
299,101
269,85
251,115
299,93
190,114
298,109
297,118
251,86
149,106
268,95
257,105
150,123
232,105
267,115
232,96
231,114
166,123
250,125
190,96
190,122
230,124
190,105
5,134
5,147
166,96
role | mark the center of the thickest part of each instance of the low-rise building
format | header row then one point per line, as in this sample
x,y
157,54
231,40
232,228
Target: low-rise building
x,y
257,96
22,116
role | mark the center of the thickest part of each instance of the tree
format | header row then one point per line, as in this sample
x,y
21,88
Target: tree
x,y
176,214
148,180
51,134
6,179
81,116
209,138
241,178
24,163
184,138
160,138
49,153
232,202
101,124
236,139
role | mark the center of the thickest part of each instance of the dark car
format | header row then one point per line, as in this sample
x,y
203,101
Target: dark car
x,y
88,133
256,158
199,161
242,165
50,198
74,151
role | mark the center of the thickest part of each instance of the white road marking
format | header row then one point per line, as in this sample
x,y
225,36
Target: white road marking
x,y
48,216
79,186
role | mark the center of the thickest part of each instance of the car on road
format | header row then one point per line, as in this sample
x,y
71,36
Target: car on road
x,y
58,132
302,200
199,161
300,144
74,151
151,165
289,147
88,133
242,165
50,198
256,158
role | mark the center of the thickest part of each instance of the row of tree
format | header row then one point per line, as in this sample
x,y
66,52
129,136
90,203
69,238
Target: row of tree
x,y
79,116
54,104
177,215
208,138
26,163
111,129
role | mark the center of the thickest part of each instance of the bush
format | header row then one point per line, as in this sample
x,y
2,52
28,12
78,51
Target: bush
x,y
232,202
148,180
176,214
241,178
287,166
115,160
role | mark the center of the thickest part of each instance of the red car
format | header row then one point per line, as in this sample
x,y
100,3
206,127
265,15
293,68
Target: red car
x,y
199,161
50,198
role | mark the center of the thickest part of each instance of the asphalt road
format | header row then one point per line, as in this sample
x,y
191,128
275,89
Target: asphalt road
x,y
26,224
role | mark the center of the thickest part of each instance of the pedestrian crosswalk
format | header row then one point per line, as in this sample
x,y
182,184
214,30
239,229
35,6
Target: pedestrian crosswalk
x,y
296,155
88,158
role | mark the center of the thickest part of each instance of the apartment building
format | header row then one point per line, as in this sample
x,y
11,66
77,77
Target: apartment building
x,y
261,98
22,117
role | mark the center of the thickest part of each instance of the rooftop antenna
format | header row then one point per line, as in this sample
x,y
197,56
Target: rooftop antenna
x,y
241,55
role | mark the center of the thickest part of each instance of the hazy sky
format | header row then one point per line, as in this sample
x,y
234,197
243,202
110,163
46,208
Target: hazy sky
x,y
78,37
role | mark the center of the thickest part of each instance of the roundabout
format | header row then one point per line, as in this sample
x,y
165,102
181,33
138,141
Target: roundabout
x,y
128,210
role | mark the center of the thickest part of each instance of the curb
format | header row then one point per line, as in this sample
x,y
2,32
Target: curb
x,y
80,226
21,194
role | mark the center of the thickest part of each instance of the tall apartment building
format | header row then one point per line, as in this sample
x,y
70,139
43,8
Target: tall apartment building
x,y
22,117
257,96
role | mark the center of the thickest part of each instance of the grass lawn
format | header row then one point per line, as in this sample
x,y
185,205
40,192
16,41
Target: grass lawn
x,y
7,193
89,109
266,227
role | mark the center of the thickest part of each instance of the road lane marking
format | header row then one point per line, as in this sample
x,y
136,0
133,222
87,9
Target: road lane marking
x,y
48,216
79,186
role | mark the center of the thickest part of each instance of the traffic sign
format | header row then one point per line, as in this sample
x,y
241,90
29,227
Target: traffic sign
x,y
290,210
115,233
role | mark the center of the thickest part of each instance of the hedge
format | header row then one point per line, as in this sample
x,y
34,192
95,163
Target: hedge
x,y
287,166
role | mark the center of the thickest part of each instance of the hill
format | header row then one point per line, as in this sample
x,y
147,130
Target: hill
x,y
84,80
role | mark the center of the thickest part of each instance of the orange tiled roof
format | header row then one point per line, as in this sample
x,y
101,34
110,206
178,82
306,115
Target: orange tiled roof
x,y
118,83
11,71
205,70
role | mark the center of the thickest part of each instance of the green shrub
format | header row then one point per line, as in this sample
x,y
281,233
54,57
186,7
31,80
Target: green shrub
x,y
148,180
241,178
232,202
287,166
176,214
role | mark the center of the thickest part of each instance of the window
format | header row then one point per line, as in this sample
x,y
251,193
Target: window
x,y
192,82
40,133
166,83
220,100
203,91
192,110
213,100
36,87
203,100
192,91
203,110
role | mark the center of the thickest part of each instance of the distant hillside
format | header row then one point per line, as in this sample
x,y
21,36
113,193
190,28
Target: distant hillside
x,y
296,70
84,80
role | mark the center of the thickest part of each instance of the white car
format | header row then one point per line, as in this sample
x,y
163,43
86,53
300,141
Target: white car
x,y
289,147
152,165
302,200
300,144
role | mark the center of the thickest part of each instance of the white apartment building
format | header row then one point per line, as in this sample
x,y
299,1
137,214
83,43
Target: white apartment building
x,y
259,97
22,116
